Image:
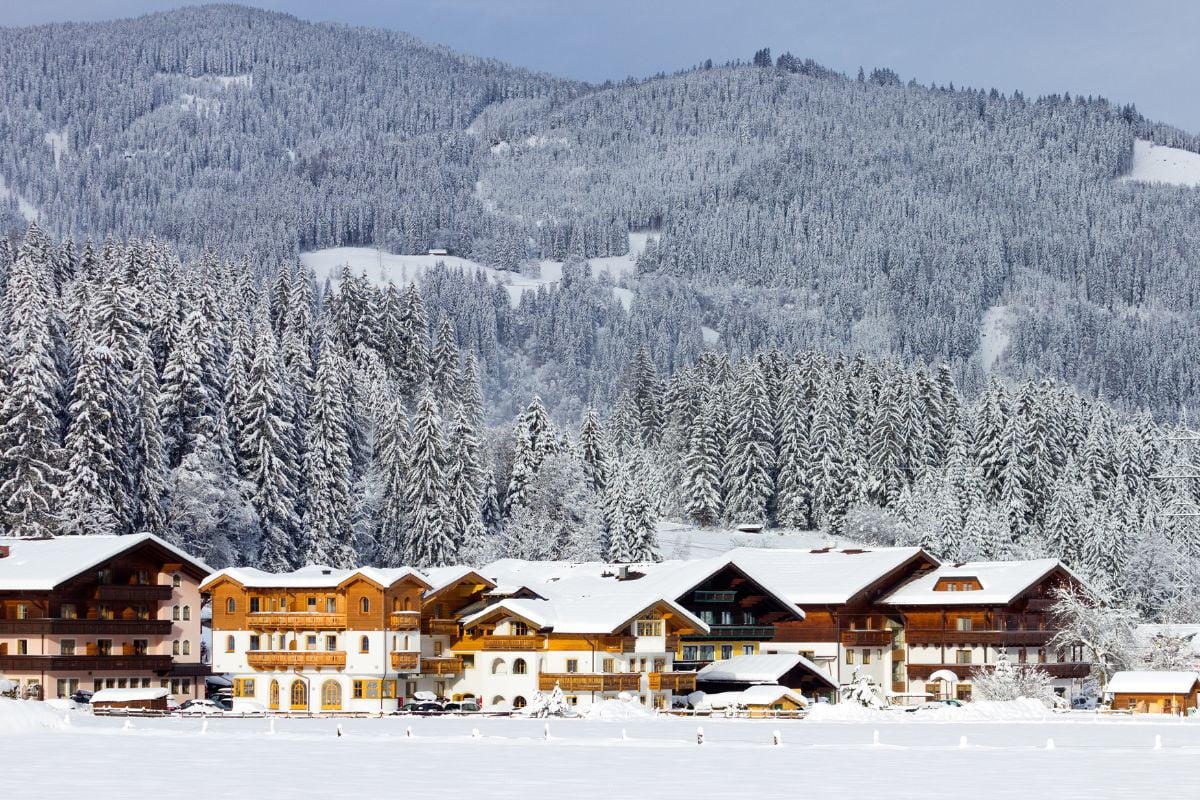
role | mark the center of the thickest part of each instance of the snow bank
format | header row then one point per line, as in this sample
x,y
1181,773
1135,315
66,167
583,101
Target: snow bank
x,y
616,710
19,716
1024,709
1156,163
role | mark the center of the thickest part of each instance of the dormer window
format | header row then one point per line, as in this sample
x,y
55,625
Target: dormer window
x,y
648,627
960,584
518,628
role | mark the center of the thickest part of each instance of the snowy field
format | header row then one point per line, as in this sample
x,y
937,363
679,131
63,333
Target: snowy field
x,y
1158,164
403,269
680,540
1092,757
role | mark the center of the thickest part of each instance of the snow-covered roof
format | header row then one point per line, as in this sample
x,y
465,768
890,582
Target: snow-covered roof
x,y
1150,682
763,695
441,577
1001,582
313,576
764,668
43,564
819,577
128,695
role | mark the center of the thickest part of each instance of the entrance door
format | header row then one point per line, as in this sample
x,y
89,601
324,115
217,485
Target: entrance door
x,y
274,698
331,696
299,696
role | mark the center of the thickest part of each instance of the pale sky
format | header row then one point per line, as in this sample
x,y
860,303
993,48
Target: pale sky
x,y
1139,51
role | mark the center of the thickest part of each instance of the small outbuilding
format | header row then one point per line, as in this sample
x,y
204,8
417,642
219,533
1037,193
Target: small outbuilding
x,y
1150,692
131,698
758,701
787,670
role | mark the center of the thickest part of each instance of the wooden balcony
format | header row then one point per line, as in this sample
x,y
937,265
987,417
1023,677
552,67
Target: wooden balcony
x,y
673,642
296,659
1039,604
448,665
404,621
403,661
590,682
916,636
867,638
85,663
1073,669
511,642
132,592
280,620
675,681
86,627
738,632
441,627
963,671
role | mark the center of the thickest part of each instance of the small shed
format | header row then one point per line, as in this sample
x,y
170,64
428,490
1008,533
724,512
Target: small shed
x,y
1150,692
761,700
789,670
439,251
131,698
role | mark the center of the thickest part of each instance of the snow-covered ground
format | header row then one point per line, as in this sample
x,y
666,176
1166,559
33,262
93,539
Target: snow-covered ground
x,y
1156,163
401,269
219,758
680,540
26,208
58,141
993,335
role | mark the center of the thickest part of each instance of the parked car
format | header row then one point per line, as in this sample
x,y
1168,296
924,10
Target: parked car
x,y
1084,702
82,696
429,708
466,706
197,706
935,704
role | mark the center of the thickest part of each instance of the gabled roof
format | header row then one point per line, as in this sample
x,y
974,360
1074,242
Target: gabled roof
x,y
764,668
762,695
822,577
313,576
43,564
1002,582
1149,682
442,578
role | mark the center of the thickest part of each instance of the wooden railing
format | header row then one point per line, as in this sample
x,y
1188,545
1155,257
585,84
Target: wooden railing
x,y
296,620
132,592
675,681
403,661
511,642
85,627
405,621
867,638
291,659
738,632
1071,669
589,682
441,666
81,663
918,636
441,627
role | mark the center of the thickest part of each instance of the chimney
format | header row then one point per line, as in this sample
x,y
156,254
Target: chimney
x,y
4,551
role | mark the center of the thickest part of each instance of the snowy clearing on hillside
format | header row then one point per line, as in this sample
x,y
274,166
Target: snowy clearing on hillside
x,y
994,335
402,269
26,208
58,141
680,540
1156,163
511,758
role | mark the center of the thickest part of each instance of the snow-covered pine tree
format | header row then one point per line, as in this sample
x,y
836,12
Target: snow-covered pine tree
x,y
464,485
535,439
703,467
444,375
392,466
430,542
94,499
751,460
327,464
593,451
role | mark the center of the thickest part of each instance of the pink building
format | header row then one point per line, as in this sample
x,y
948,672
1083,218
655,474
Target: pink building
x,y
95,612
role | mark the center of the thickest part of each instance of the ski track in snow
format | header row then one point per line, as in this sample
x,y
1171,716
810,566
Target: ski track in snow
x,y
1155,163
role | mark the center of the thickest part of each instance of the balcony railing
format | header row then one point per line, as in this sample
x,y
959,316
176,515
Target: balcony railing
x,y
133,592
405,621
1039,604
109,663
511,642
405,661
916,636
86,627
590,682
704,596
738,632
441,627
1070,669
296,659
867,638
292,620
441,666
675,681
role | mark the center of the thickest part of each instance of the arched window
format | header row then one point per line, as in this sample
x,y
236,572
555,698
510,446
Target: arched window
x,y
408,604
364,644
187,647
518,702
230,606
274,696
187,613
175,612
519,667
499,667
229,644
175,647
498,700
299,696
176,581
364,605
331,696
406,641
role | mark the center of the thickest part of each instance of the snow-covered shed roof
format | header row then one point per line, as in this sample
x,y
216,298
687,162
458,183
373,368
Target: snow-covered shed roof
x,y
1001,582
43,564
764,668
313,576
763,695
1151,682
128,695
824,576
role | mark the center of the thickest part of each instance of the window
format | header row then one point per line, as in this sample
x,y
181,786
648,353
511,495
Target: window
x,y
229,644
963,692
726,651
518,628
707,652
105,612
364,644
176,581
518,702
187,613
358,690
1022,656
22,647
849,656
572,665
243,687
331,643
438,647
283,604
1041,655
649,627
141,577
254,641
299,696
22,611
607,665
104,576
141,647
187,647
866,657
962,656
230,606
330,605
255,604
66,647
175,612
747,649
572,700
389,689
707,617
141,612
104,647
962,623
748,618
312,604
660,664
521,668
273,697
310,642
68,611
364,605
690,653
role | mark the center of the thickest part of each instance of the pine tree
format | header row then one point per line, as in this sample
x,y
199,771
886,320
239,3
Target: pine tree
x,y
592,451
327,464
149,495
703,468
94,498
535,439
430,542
443,366
393,467
464,484
751,461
